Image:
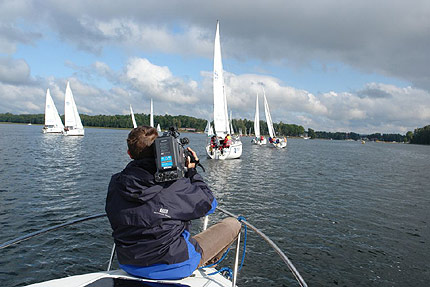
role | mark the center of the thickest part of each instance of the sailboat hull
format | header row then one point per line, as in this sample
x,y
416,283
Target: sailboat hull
x,y
74,132
233,152
259,142
54,130
282,144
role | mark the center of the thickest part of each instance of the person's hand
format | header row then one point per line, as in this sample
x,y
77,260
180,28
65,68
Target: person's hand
x,y
189,163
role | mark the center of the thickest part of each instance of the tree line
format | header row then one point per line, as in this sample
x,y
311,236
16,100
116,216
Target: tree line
x,y
419,136
166,121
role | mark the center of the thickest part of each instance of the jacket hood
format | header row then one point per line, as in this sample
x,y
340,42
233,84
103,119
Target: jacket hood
x,y
137,180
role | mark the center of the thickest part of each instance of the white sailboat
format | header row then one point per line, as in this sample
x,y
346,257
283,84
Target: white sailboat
x,y
278,143
72,121
209,130
53,123
232,148
259,139
151,116
133,118
158,128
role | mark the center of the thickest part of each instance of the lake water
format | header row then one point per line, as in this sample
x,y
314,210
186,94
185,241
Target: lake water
x,y
345,213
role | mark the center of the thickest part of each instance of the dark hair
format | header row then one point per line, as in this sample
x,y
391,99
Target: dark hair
x,y
140,141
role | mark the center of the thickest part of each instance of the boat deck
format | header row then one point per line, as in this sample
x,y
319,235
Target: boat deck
x,y
120,278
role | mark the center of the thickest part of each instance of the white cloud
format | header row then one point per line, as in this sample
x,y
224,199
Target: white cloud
x,y
159,83
376,107
14,71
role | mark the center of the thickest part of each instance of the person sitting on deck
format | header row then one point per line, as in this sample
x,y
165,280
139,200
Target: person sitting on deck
x,y
151,220
213,145
227,141
270,140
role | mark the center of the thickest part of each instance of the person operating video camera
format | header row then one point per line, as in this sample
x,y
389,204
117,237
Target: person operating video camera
x,y
151,220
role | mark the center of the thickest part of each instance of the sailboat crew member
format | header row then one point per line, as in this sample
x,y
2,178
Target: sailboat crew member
x,y
151,220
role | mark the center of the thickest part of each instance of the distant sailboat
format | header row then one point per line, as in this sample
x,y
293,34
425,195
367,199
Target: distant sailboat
x,y
233,148
209,130
158,128
53,123
278,143
72,120
259,139
132,117
231,123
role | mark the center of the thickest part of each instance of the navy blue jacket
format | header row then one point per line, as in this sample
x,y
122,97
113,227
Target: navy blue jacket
x,y
150,220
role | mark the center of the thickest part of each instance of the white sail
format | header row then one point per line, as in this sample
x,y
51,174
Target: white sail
x,y
211,130
132,118
221,123
208,125
72,120
231,123
158,128
268,117
151,117
208,129
257,120
53,123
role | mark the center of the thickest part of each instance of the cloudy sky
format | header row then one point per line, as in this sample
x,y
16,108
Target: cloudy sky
x,y
361,66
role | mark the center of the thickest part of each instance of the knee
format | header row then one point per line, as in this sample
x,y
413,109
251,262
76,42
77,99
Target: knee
x,y
232,224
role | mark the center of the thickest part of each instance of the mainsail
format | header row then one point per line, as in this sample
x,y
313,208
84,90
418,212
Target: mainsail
x,y
268,117
52,118
132,118
221,122
71,115
151,117
208,129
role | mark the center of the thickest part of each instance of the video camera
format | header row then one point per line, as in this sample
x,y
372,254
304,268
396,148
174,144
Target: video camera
x,y
171,155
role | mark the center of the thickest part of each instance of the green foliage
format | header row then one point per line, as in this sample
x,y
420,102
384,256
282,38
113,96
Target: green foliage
x,y
409,136
421,135
386,137
24,119
337,135
115,121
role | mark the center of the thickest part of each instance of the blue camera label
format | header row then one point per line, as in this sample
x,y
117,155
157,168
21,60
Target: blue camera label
x,y
166,161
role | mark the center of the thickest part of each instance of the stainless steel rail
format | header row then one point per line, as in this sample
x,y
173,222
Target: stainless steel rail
x,y
36,233
284,257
